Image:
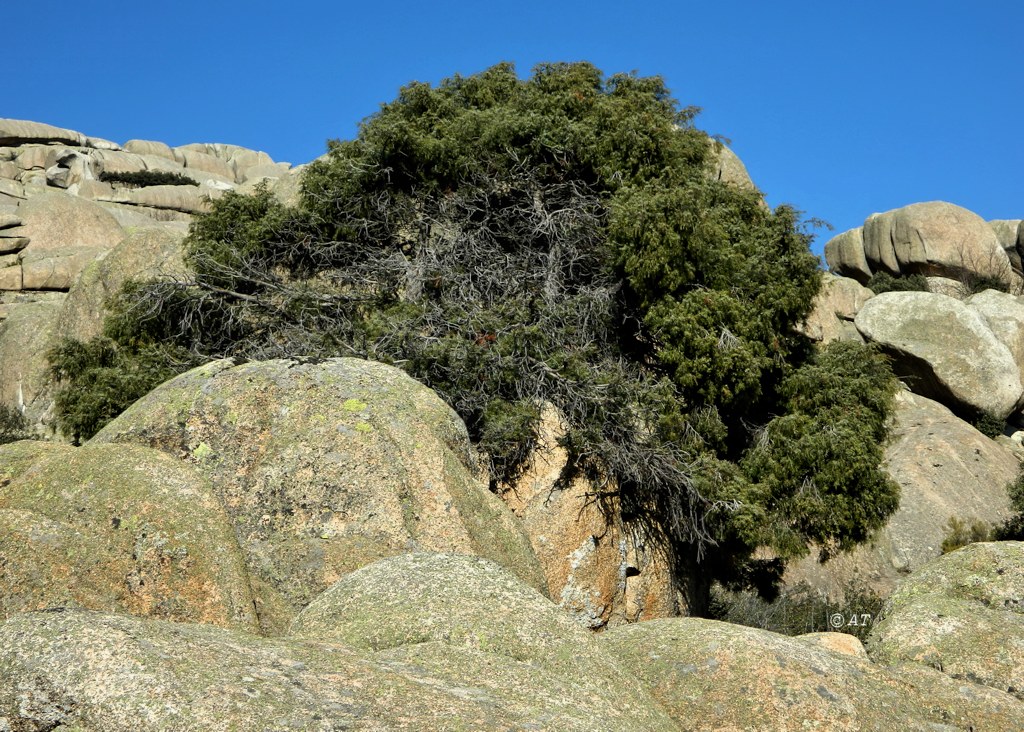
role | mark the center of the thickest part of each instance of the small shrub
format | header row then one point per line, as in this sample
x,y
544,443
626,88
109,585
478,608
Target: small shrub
x,y
884,282
975,283
961,533
800,610
13,425
989,425
99,380
148,178
1013,528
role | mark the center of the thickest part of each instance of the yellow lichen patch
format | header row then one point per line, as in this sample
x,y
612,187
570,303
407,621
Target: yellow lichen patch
x,y
202,452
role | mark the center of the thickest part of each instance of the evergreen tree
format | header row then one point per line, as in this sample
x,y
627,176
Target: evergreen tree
x,y
561,239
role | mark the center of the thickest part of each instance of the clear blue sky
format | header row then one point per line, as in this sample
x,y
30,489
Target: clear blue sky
x,y
838,108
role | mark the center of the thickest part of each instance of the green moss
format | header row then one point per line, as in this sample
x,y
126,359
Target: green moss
x,y
364,427
354,405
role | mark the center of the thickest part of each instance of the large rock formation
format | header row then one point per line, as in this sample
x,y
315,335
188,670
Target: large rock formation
x,y
325,467
945,468
834,310
934,238
144,252
963,615
734,678
845,255
68,201
944,350
597,569
1010,235
457,617
422,642
27,333
117,528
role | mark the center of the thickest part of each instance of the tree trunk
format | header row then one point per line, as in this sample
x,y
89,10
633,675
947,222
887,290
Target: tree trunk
x,y
696,578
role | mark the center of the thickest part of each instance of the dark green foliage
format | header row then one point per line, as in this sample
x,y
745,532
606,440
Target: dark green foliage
x,y
13,425
99,380
988,424
560,240
975,282
801,610
818,462
960,532
1013,528
884,282
148,178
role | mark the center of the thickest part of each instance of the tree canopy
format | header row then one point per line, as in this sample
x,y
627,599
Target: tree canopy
x,y
558,240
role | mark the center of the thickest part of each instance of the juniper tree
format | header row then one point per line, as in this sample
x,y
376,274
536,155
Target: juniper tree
x,y
560,240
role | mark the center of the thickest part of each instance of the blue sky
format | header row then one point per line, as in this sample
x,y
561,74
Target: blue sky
x,y
840,109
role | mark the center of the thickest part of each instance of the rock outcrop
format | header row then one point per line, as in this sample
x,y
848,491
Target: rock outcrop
x,y
69,201
963,615
945,468
458,616
737,678
834,310
933,238
421,642
597,570
324,467
118,528
944,350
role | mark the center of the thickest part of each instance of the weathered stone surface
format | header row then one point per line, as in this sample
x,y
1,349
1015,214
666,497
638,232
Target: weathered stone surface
x,y
842,644
56,269
11,189
730,677
35,182
106,673
944,350
729,168
113,162
962,614
196,160
1004,315
325,467
144,253
189,199
25,336
95,190
10,244
845,256
58,221
450,614
1010,234
10,276
597,571
834,308
944,468
20,132
287,188
32,157
18,457
99,143
950,288
267,170
934,238
120,528
132,215
149,147
241,158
